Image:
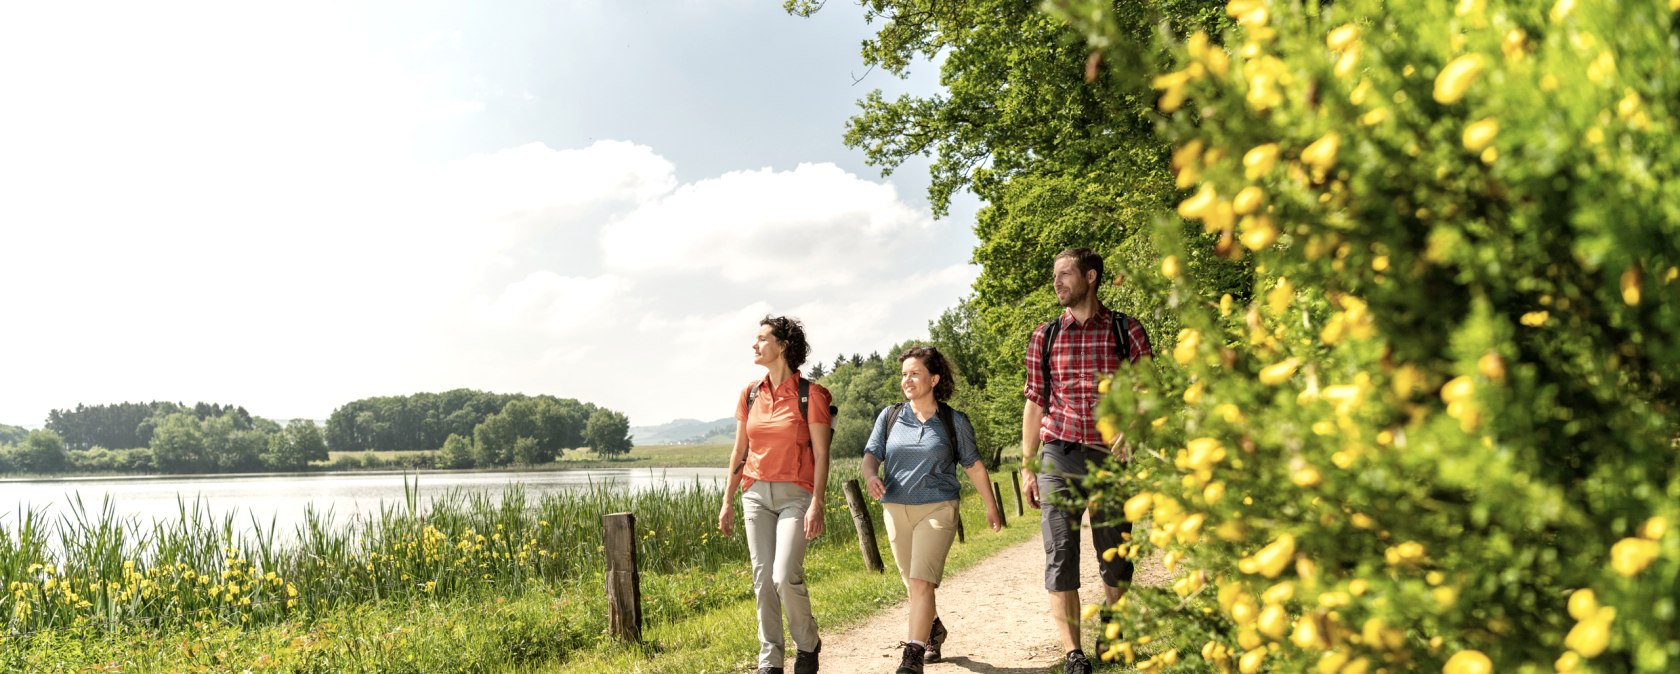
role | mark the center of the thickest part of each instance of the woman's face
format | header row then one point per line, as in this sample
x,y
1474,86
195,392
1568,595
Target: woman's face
x,y
915,380
766,349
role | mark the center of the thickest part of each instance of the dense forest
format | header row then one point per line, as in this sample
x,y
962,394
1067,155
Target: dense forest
x,y
468,428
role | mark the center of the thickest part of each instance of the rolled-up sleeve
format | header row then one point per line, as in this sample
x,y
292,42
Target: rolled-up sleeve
x,y
968,451
1035,368
877,445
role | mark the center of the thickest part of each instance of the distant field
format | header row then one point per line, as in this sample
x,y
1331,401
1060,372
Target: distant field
x,y
383,456
663,456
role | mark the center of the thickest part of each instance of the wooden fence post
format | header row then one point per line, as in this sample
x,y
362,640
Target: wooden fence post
x,y
864,525
1015,477
997,497
962,537
624,580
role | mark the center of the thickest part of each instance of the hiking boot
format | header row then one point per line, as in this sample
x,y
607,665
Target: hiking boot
x,y
1076,663
912,662
805,662
936,640
769,670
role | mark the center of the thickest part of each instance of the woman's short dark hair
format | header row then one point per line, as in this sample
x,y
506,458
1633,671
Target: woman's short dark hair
x,y
791,333
935,363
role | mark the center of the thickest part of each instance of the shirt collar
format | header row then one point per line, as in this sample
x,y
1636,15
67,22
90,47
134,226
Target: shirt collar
x,y
1097,317
792,383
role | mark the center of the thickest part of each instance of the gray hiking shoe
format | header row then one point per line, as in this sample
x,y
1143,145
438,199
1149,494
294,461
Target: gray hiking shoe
x,y
912,662
1076,663
936,641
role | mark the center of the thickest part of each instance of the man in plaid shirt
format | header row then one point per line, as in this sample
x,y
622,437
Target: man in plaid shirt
x,y
1089,341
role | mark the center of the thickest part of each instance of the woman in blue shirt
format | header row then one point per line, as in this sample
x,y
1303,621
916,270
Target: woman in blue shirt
x,y
921,442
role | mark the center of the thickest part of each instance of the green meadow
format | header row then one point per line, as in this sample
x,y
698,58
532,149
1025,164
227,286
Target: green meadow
x,y
451,584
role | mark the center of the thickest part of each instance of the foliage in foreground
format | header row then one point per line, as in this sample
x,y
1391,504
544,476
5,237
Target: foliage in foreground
x,y
1443,436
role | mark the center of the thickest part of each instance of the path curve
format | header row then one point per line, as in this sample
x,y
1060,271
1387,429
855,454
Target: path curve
x,y
997,612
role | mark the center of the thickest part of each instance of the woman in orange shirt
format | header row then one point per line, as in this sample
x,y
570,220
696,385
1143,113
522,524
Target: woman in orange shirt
x,y
780,462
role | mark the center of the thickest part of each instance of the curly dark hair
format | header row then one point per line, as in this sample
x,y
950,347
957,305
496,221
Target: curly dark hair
x,y
936,364
791,333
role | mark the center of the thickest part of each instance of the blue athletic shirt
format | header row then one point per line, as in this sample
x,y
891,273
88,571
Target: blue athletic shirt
x,y
917,456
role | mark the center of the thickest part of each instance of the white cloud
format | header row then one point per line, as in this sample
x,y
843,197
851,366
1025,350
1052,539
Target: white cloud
x,y
587,273
554,305
813,227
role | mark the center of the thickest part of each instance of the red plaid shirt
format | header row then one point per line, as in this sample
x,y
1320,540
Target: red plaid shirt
x,y
1082,354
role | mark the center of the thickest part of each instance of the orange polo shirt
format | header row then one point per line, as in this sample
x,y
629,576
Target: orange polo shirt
x,y
778,440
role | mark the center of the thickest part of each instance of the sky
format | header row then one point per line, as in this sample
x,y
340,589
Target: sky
x,y
289,206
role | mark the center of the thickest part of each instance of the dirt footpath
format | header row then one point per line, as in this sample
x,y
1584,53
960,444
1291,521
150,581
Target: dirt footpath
x,y
997,612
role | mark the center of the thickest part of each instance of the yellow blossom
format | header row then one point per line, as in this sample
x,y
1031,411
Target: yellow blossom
x,y
1468,662
1630,285
1591,636
1630,556
1248,200
1341,37
1478,135
1456,78
1189,339
1321,154
1259,161
1278,373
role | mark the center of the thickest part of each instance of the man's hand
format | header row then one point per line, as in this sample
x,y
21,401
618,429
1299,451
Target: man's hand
x,y
994,517
814,521
726,518
1029,487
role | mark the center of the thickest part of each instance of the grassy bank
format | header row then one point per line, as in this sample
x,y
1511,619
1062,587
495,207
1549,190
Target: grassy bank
x,y
464,585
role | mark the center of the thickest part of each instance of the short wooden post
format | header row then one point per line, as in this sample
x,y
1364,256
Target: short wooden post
x,y
624,581
1015,477
997,497
962,536
865,526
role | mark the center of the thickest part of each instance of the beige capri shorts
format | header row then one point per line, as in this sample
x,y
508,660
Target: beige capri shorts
x,y
921,537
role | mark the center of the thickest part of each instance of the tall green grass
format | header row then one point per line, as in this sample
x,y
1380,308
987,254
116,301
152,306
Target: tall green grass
x,y
90,569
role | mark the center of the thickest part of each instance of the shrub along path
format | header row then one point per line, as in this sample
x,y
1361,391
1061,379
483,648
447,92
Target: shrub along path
x,y
997,612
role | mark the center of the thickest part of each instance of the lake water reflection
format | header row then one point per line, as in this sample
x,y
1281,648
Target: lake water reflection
x,y
283,498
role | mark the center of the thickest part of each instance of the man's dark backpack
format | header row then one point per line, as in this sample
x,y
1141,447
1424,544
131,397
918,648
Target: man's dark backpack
x,y
804,411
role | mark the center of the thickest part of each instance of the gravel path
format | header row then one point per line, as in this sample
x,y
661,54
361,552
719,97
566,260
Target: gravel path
x,y
997,612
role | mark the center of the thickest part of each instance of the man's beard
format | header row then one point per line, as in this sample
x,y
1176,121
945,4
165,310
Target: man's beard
x,y
1075,297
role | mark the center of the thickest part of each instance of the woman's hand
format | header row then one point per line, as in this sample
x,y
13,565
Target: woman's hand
x,y
726,518
876,487
814,520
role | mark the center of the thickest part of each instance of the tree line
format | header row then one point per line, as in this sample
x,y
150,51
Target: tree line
x,y
469,428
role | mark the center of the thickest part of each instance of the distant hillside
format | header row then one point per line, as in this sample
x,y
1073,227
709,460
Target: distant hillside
x,y
684,432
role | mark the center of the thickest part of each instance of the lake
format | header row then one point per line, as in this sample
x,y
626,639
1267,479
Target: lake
x,y
283,497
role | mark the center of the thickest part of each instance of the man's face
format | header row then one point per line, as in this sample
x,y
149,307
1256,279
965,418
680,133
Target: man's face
x,y
1070,285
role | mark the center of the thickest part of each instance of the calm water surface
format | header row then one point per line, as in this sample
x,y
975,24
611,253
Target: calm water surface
x,y
283,498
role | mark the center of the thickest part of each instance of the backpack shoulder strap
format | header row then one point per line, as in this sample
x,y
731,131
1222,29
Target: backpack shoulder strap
x,y
1051,327
752,396
805,400
892,420
1122,342
948,419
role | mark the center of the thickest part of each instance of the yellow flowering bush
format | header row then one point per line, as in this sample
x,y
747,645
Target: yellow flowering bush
x,y
1443,435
